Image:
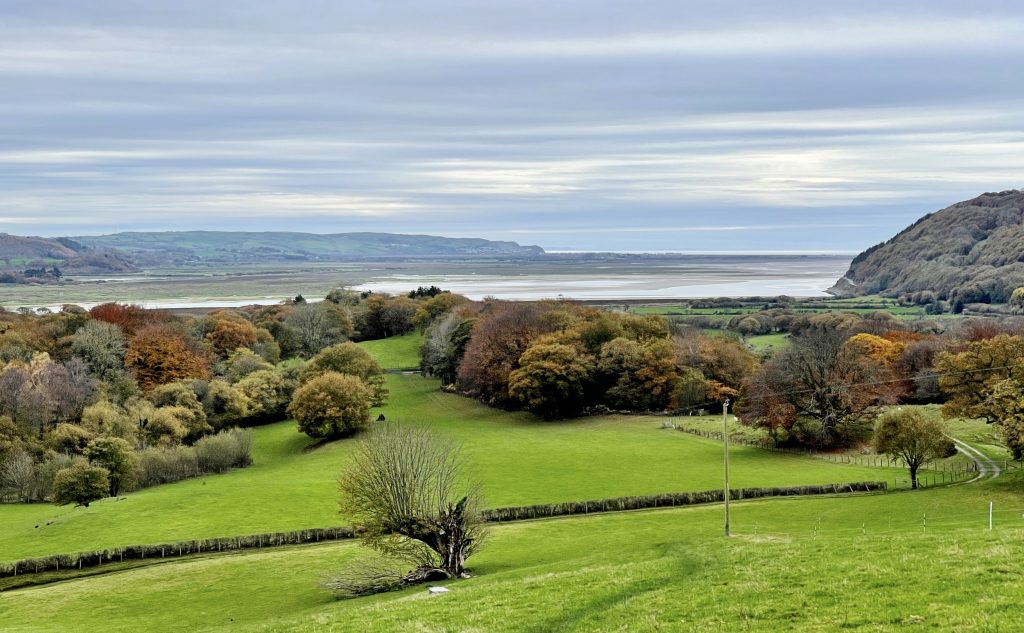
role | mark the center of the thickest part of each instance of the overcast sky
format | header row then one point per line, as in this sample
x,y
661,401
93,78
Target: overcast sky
x,y
670,125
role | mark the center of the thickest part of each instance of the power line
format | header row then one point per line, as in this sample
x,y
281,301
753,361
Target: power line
x,y
872,383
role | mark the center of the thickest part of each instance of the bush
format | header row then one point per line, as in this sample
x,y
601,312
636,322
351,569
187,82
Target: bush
x,y
332,405
218,453
166,465
212,454
46,472
80,484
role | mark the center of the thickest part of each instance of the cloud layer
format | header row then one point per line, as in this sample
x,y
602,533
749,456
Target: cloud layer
x,y
576,125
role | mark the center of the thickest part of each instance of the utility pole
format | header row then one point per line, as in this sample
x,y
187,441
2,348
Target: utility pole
x,y
725,444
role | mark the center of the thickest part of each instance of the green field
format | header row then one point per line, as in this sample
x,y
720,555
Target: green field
x,y
767,342
870,562
862,563
400,352
518,458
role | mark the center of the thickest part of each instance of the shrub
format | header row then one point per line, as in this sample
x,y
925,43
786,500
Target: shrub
x,y
166,465
80,484
218,453
332,405
211,454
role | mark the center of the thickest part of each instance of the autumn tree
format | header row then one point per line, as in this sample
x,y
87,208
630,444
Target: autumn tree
x,y
116,456
500,335
435,307
911,435
639,376
101,345
331,405
406,490
821,380
129,318
268,392
968,377
351,359
229,335
551,378
159,354
225,405
243,362
877,348
189,410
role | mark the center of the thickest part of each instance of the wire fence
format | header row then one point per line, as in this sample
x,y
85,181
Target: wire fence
x,y
892,524
959,469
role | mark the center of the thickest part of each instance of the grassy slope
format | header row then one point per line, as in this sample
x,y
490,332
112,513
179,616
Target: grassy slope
x,y
870,566
399,352
764,342
519,459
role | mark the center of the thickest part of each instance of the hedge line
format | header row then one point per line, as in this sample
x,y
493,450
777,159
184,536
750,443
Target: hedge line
x,y
82,560
521,513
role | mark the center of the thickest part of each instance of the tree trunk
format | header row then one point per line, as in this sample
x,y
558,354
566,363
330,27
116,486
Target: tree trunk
x,y
913,476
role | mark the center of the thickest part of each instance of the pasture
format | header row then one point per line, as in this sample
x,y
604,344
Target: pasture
x,y
518,458
800,564
868,562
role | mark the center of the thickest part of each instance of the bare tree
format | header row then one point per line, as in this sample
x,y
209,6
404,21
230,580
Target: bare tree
x,y
400,488
18,475
70,386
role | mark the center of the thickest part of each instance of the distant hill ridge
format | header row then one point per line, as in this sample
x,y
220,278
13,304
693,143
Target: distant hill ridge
x,y
30,248
970,252
184,246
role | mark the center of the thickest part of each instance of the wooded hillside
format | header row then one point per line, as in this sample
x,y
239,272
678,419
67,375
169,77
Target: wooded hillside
x,y
971,252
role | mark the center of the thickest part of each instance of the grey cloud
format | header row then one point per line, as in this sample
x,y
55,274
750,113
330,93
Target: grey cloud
x,y
838,123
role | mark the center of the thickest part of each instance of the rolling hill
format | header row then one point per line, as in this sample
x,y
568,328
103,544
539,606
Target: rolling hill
x,y
970,252
16,247
229,246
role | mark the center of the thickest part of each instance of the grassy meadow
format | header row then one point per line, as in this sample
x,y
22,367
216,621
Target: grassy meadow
x,y
814,564
877,562
518,458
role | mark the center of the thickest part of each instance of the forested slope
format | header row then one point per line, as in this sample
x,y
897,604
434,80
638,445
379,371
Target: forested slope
x,y
970,252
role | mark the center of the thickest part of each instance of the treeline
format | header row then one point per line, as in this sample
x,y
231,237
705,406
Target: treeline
x,y
120,397
559,359
825,389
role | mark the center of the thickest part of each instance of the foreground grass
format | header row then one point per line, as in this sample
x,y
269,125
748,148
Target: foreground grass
x,y
800,564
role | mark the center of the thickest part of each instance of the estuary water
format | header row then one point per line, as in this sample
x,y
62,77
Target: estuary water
x,y
731,277
577,276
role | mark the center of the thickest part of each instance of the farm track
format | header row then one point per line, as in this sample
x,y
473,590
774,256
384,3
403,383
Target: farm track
x,y
987,467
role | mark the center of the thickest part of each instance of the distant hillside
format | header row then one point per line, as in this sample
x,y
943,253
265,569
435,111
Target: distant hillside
x,y
224,246
971,252
15,249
